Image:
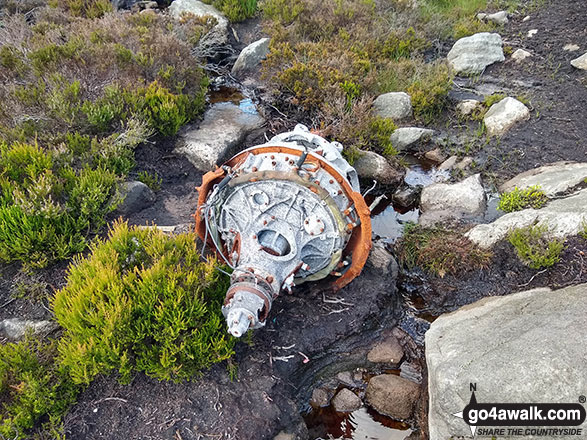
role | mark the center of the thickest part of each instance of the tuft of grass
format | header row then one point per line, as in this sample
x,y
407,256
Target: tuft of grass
x,y
152,180
534,248
142,301
518,199
440,251
583,232
493,99
33,388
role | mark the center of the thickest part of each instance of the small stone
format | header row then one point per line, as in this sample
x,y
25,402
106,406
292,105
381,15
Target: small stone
x,y
532,32
251,56
371,165
411,372
405,137
520,55
346,401
284,436
388,351
503,115
448,164
436,155
526,18
406,197
500,18
467,106
464,163
319,398
581,62
15,328
571,47
346,378
471,55
136,196
481,16
392,395
394,105
382,260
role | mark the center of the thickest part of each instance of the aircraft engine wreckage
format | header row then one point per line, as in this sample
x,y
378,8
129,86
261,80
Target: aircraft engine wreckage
x,y
280,214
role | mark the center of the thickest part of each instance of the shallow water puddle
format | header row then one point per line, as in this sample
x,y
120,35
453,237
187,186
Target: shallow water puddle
x,y
389,224
234,96
362,424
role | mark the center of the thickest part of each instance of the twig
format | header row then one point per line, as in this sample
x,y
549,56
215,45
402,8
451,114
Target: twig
x,y
533,276
283,358
7,302
337,311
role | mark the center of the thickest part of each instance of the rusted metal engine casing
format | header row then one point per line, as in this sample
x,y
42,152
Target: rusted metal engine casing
x,y
280,214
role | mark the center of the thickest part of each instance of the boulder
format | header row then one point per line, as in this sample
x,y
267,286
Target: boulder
x,y
520,55
213,41
525,347
371,165
563,217
503,115
554,179
394,105
406,137
346,401
500,18
467,106
251,56
14,329
388,351
392,395
471,55
224,126
462,198
135,196
580,63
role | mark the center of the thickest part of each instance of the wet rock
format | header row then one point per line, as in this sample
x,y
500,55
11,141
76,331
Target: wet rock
x,y
346,378
468,106
224,126
394,105
449,163
520,55
563,217
346,401
499,18
371,165
525,347
503,115
458,199
571,47
436,155
411,372
388,351
554,179
251,56
382,260
136,196
471,55
393,395
14,329
580,63
405,137
320,398
407,197
215,40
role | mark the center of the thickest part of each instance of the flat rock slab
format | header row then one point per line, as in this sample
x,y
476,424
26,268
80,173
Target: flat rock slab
x,y
563,217
14,329
394,105
526,347
553,179
580,63
405,137
471,55
466,197
503,115
224,126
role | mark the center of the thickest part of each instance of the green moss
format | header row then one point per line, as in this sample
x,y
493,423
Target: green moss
x,y
142,301
534,248
33,388
429,93
518,199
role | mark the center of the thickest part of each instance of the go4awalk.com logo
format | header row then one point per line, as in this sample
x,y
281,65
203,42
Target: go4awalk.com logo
x,y
520,419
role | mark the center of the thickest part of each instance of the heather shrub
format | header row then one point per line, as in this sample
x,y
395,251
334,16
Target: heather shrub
x,y
142,301
33,388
